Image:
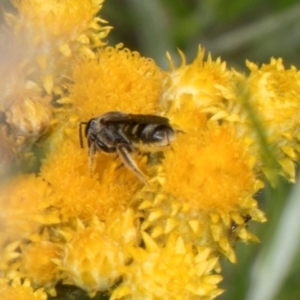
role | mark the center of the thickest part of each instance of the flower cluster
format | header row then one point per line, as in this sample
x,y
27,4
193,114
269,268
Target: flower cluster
x,y
101,229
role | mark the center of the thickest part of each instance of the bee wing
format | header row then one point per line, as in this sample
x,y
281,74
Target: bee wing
x,y
116,117
113,117
148,119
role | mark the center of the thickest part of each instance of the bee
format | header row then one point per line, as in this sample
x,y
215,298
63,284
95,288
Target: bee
x,y
124,134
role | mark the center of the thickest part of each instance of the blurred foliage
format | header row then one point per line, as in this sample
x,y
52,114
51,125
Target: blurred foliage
x,y
235,30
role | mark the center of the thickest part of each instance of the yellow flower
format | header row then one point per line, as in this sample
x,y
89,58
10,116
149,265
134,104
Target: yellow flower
x,y
271,92
18,291
91,259
117,80
207,183
29,118
50,17
65,25
205,83
25,203
9,263
95,253
37,263
81,192
224,169
274,93
171,272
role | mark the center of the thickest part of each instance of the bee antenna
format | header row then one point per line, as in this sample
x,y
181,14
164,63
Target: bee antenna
x,y
80,133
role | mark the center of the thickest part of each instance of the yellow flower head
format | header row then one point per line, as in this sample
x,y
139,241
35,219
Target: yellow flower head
x,y
37,263
207,182
275,98
25,202
51,32
49,20
18,291
206,83
83,192
29,117
210,169
118,80
172,272
94,255
91,260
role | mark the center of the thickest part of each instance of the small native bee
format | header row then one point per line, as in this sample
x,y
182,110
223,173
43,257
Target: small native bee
x,y
126,133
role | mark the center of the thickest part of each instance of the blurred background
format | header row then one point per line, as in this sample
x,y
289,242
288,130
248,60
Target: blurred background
x,y
235,30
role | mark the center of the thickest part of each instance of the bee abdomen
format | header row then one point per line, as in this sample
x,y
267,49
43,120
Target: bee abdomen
x,y
151,134
160,135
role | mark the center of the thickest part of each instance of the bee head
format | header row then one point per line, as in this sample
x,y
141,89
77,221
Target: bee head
x,y
88,126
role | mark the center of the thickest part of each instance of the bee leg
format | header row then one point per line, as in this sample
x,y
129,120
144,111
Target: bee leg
x,y
92,154
130,163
